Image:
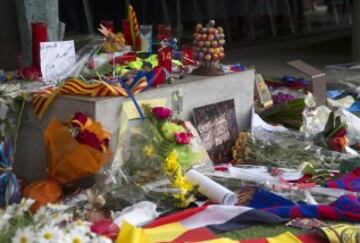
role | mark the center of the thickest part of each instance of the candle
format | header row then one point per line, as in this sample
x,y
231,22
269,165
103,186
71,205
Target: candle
x,y
165,58
39,34
164,32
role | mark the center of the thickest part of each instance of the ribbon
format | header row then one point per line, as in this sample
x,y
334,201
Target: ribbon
x,y
9,185
131,96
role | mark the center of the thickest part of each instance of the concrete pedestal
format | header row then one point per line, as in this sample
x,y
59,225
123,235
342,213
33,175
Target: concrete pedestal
x,y
30,159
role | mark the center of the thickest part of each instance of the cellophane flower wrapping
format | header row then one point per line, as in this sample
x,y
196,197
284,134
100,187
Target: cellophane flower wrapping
x,y
75,150
151,165
284,148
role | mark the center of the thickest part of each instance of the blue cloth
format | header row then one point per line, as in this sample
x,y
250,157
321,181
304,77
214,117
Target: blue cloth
x,y
265,199
355,107
346,207
333,94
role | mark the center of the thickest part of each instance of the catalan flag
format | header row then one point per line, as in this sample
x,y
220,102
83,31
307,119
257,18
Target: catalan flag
x,y
134,28
43,99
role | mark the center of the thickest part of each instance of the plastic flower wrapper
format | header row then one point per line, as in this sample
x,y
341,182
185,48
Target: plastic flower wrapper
x,y
334,135
75,150
153,164
283,148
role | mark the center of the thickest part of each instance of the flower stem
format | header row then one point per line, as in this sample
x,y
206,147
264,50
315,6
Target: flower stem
x,y
18,124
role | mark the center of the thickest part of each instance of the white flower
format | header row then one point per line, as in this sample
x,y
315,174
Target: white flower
x,y
49,234
24,205
24,235
41,214
57,207
101,239
9,213
77,237
81,226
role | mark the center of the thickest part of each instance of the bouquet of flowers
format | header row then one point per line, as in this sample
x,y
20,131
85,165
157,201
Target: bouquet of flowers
x,y
283,149
334,135
160,151
51,223
75,150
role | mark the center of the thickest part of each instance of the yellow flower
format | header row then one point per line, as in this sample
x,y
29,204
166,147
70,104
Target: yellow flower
x,y
171,162
173,170
149,151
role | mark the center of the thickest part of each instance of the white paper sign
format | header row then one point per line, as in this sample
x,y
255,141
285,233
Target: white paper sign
x,y
56,59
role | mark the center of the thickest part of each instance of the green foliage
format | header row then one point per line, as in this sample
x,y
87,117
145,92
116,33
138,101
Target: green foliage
x,y
289,114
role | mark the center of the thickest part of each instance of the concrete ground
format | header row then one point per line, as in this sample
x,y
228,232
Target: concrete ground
x,y
317,50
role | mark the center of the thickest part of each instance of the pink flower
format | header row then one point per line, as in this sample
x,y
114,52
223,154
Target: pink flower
x,y
183,137
106,228
161,113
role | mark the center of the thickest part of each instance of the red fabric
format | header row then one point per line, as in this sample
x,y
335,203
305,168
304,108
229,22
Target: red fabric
x,y
200,234
311,238
176,217
159,76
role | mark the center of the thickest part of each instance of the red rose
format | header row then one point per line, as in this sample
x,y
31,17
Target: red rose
x,y
105,227
183,137
161,113
80,117
337,144
88,138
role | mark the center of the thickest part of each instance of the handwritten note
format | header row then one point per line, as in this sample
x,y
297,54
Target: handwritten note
x,y
57,58
132,112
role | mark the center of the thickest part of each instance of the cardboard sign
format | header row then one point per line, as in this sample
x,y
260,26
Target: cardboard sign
x,y
131,110
56,58
318,80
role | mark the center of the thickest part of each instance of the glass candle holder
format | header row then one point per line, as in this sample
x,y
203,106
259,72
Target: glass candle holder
x,y
164,32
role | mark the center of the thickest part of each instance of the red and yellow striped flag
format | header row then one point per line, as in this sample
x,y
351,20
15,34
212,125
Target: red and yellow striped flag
x,y
43,99
134,29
